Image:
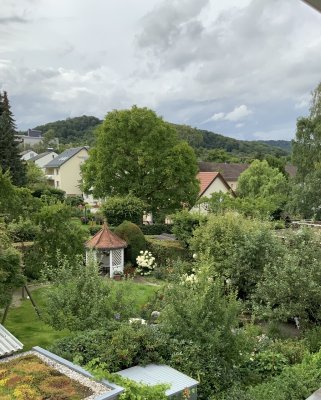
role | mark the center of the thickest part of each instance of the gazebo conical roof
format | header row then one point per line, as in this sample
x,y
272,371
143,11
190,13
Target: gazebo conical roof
x,y
105,239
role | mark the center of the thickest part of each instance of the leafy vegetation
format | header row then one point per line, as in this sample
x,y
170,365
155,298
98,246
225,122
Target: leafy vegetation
x,y
134,238
149,161
118,209
9,152
73,131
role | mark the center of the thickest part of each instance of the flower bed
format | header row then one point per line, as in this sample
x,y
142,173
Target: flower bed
x,y
32,376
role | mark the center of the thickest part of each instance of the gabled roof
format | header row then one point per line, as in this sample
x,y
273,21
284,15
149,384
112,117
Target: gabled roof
x,y
26,152
37,157
207,178
105,239
64,157
8,343
231,172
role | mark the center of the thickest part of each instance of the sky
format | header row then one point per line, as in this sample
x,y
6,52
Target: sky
x,y
241,68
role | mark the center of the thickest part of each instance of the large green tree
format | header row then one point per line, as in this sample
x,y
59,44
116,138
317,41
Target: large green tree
x,y
265,187
9,152
307,157
137,152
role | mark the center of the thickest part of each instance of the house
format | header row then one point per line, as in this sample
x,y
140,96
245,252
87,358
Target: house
x,y
33,137
211,182
108,249
231,172
27,154
43,158
180,385
8,343
63,172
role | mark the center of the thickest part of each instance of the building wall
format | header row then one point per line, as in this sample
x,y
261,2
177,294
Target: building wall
x,y
68,176
46,159
233,184
216,187
31,141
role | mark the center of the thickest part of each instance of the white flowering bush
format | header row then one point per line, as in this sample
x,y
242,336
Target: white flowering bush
x,y
145,263
189,279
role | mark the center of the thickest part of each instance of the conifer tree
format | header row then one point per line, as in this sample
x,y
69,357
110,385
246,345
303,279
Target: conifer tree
x,y
9,152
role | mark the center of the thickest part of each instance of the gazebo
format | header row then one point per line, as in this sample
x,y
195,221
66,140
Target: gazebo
x,y
108,249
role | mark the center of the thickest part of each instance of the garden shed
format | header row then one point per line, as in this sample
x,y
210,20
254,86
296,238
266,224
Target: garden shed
x,y
8,343
180,384
108,249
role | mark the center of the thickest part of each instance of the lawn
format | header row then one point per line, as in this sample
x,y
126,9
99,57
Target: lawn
x,y
24,323
141,292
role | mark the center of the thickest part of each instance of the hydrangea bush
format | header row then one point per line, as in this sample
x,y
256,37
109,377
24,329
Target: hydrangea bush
x,y
145,263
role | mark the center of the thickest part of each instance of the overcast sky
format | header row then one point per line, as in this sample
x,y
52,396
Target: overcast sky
x,y
242,68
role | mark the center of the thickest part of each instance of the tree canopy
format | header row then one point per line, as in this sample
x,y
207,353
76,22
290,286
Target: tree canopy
x,y
264,186
9,152
137,152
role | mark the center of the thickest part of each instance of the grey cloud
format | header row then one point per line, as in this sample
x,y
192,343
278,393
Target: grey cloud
x,y
170,19
13,19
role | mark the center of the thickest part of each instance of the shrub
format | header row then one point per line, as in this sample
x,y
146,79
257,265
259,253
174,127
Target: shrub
x,y
296,382
118,209
156,229
49,192
94,229
184,223
166,253
290,285
128,345
79,299
134,237
23,230
239,249
313,339
74,201
145,263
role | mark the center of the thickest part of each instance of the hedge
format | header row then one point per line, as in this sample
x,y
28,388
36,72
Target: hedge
x,y
134,237
156,229
165,252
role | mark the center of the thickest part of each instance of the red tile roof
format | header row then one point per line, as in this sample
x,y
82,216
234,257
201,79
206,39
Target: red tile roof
x,y
206,179
105,239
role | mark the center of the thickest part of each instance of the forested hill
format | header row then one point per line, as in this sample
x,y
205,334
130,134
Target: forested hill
x,y
209,140
80,130
282,144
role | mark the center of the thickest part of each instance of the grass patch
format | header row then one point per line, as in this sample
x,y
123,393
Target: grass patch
x,y
23,322
140,292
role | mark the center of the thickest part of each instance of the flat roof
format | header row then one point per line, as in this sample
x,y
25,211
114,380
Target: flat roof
x,y
159,374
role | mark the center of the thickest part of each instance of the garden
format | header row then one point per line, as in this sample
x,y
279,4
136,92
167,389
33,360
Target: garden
x,y
226,298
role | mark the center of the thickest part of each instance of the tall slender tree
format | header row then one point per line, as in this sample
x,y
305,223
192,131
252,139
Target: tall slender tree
x,y
9,152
